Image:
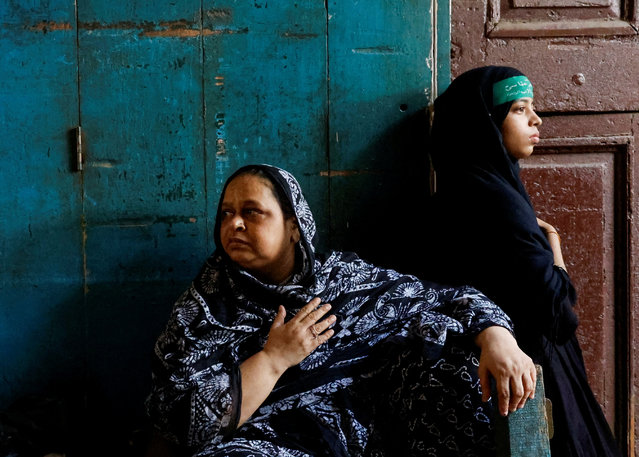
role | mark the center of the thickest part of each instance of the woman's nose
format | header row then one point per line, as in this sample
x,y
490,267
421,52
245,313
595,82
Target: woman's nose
x,y
238,224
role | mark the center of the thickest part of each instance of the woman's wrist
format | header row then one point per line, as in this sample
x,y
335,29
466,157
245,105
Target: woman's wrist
x,y
489,333
275,367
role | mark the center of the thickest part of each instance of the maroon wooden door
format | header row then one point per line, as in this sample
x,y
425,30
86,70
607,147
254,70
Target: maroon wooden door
x,y
583,59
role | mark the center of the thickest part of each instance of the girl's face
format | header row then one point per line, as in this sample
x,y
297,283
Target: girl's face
x,y
254,231
520,128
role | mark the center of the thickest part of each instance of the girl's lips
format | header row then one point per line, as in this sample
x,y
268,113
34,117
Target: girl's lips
x,y
534,138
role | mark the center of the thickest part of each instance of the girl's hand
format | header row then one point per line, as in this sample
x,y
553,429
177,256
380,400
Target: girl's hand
x,y
291,342
514,371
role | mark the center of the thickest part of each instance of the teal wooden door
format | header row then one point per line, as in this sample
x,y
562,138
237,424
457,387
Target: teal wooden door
x,y
41,249
171,100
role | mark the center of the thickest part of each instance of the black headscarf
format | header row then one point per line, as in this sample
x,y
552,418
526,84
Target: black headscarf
x,y
485,228
226,314
467,129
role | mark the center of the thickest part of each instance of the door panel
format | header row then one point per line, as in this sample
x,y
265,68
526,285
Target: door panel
x,y
41,273
265,93
142,116
582,210
171,99
380,80
144,186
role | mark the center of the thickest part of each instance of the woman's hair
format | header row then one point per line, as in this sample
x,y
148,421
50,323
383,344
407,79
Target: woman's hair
x,y
279,194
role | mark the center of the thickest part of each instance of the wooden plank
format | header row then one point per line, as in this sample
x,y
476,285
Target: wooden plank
x,y
40,217
524,433
142,115
381,77
144,191
265,81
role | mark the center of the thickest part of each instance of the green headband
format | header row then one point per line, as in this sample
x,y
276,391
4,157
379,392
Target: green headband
x,y
511,89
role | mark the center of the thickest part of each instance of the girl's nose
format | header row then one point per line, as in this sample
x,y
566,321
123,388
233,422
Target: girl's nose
x,y
535,120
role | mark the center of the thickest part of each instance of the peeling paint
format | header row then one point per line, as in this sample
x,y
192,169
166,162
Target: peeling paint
x,y
375,50
299,36
179,33
149,221
220,142
188,33
220,14
104,164
49,26
220,146
179,28
333,173
123,25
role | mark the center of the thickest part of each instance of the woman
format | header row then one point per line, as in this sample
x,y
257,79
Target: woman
x,y
487,234
255,361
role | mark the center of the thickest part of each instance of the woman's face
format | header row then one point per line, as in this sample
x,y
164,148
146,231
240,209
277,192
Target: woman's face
x,y
520,128
254,231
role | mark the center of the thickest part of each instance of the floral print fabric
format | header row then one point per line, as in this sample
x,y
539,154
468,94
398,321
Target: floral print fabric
x,y
328,404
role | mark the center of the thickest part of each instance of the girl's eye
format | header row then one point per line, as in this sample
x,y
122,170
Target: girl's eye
x,y
226,213
252,211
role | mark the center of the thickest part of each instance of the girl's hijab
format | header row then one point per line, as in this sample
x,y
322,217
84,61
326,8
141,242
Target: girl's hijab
x,y
466,130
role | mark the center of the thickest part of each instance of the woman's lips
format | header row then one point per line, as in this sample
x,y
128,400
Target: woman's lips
x,y
237,241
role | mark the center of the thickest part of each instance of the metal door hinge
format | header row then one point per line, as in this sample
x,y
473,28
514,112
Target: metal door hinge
x,y
79,159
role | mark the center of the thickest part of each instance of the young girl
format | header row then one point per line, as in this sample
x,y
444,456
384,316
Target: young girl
x,y
485,233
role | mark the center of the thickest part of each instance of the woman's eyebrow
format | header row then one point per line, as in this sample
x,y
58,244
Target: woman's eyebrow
x,y
251,202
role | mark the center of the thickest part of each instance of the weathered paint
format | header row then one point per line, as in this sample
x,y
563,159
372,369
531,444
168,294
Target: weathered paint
x,y
171,100
267,90
146,233
380,78
40,204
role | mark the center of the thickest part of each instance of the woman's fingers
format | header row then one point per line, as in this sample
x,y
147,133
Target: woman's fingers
x,y
522,388
310,324
315,314
307,309
517,394
533,381
503,388
279,317
321,331
322,325
323,338
530,383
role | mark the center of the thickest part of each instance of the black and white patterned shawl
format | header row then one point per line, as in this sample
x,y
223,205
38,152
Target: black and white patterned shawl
x,y
225,315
